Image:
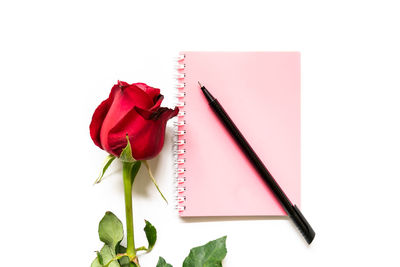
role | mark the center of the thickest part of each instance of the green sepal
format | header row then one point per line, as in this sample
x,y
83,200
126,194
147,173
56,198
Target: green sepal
x,y
208,255
162,263
153,179
99,257
107,162
135,170
107,254
126,154
151,235
111,231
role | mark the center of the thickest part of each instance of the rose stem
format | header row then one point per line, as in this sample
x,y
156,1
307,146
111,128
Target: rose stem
x,y
126,174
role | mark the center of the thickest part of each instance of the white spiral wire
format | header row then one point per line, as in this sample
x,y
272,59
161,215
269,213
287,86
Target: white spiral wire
x,y
179,138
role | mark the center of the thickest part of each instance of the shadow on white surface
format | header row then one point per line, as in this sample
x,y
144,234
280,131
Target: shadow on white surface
x,y
143,183
290,225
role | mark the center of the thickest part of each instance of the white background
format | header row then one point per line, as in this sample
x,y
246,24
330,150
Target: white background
x,y
59,59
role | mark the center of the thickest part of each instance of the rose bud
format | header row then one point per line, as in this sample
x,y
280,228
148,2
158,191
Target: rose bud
x,y
133,110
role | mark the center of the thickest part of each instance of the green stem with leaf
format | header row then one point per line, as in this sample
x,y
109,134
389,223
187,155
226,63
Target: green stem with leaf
x,y
115,259
128,181
130,168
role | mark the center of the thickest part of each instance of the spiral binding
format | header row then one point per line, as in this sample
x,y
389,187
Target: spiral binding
x,y
180,141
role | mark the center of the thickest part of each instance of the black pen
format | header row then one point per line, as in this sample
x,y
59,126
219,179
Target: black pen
x,y
292,210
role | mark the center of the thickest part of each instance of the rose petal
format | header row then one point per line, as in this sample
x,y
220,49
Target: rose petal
x,y
169,113
97,121
146,114
146,135
122,84
124,99
157,104
161,113
99,115
153,93
136,97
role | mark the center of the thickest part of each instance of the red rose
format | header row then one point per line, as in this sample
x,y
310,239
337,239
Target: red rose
x,y
133,110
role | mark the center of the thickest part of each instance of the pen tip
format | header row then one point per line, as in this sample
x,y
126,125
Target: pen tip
x,y
200,84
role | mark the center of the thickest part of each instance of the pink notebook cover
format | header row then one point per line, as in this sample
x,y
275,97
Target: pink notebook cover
x,y
261,93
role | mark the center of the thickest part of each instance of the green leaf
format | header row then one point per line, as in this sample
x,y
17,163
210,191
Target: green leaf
x,y
111,230
126,154
124,261
107,254
162,263
151,234
209,255
128,264
107,163
135,170
96,263
154,180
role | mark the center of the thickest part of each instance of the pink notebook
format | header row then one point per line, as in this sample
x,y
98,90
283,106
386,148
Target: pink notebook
x,y
261,93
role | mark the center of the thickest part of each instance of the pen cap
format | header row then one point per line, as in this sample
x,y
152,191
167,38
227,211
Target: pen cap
x,y
302,224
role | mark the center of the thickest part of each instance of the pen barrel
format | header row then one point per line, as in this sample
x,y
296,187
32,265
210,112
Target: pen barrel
x,y
302,224
292,210
251,155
